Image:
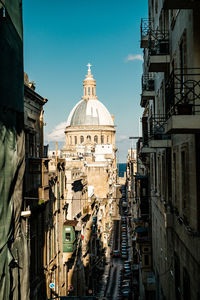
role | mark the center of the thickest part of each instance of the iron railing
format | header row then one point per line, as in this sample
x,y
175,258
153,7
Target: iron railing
x,y
158,43
182,92
148,82
156,130
145,27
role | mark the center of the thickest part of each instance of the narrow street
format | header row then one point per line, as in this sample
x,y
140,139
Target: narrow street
x,y
119,276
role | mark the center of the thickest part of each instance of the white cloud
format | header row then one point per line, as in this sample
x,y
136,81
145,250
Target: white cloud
x,y
57,134
132,57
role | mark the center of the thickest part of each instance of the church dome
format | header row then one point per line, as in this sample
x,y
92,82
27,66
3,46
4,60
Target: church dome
x,y
89,111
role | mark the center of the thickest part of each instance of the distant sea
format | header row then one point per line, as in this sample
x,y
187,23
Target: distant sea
x,y
121,169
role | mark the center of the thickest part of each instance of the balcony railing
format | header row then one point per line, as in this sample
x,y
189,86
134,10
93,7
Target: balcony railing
x,y
183,92
148,82
148,92
158,51
145,28
154,134
157,127
158,42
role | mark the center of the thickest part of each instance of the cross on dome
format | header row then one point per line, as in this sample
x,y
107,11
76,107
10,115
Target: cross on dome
x,y
89,68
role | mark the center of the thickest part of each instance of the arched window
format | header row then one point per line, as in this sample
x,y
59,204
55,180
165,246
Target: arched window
x,y
89,138
81,139
96,139
75,140
102,139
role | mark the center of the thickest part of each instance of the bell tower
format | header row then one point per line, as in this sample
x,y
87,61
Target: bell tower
x,y
89,85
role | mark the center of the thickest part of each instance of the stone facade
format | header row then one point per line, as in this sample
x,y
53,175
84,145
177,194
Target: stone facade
x,y
170,97
36,185
88,199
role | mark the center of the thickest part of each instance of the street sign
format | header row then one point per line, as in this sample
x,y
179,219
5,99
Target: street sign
x,y
52,285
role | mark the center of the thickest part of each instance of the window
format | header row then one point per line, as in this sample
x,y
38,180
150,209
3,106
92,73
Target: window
x,y
70,140
31,145
96,139
89,138
102,139
146,259
49,244
81,139
93,91
146,249
54,239
75,140
89,91
67,236
185,184
58,197
175,176
107,139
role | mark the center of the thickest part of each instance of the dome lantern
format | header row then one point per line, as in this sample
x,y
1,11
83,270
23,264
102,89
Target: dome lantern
x,y
89,85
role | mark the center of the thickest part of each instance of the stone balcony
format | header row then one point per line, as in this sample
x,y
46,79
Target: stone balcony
x,y
179,4
183,101
159,63
183,124
160,143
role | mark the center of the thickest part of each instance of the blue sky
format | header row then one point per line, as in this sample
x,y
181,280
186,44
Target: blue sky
x,y
61,37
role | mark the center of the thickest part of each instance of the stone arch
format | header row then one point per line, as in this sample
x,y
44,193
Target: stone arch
x,y
81,139
96,139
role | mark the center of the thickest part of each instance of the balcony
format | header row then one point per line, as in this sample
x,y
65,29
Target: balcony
x,y
148,92
159,58
180,4
183,101
145,28
157,136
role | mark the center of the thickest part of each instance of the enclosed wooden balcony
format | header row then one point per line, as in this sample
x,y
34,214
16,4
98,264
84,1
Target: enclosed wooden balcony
x,y
183,101
159,58
180,4
148,92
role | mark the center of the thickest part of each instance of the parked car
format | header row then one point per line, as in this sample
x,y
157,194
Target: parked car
x,y
126,292
127,274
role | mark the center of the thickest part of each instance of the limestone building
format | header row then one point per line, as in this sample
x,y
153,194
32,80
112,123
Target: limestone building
x,y
87,203
171,126
90,146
